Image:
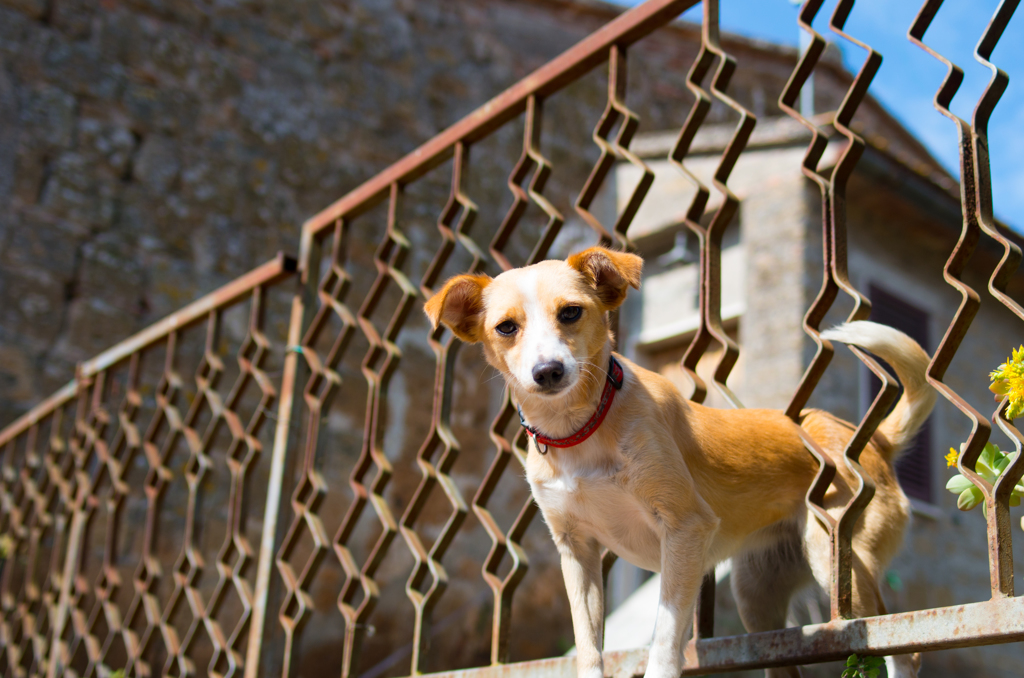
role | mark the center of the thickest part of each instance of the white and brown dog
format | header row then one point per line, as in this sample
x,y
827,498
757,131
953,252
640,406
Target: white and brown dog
x,y
619,458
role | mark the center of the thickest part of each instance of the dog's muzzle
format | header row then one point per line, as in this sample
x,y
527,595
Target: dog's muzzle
x,y
548,376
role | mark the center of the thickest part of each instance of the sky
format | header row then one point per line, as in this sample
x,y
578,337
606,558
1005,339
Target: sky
x,y
909,76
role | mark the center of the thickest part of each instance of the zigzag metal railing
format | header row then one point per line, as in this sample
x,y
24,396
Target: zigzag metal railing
x,y
44,469
65,619
833,195
710,240
976,203
64,465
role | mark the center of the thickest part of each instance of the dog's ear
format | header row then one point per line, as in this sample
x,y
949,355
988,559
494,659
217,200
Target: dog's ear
x,y
459,305
611,273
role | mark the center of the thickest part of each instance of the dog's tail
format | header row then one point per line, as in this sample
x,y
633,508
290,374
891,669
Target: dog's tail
x,y
910,362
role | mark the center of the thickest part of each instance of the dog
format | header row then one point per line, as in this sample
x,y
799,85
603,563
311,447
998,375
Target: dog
x,y
617,457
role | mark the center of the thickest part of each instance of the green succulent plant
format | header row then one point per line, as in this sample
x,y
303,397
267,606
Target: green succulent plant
x,y
991,464
863,667
1008,383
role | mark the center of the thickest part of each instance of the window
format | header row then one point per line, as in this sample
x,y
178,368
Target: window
x,y
914,467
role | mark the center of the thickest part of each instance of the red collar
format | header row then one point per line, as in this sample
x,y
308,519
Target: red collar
x,y
611,385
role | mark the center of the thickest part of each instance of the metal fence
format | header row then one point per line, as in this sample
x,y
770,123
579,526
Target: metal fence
x,y
229,481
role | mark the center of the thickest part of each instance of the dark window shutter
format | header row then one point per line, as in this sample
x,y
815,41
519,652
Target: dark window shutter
x,y
914,468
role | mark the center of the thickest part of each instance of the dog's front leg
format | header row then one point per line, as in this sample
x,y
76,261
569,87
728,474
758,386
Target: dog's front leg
x,y
683,559
581,569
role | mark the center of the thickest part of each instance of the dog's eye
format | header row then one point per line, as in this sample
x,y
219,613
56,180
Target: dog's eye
x,y
508,328
570,314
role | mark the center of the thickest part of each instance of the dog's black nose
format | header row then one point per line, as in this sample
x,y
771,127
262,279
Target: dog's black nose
x,y
548,374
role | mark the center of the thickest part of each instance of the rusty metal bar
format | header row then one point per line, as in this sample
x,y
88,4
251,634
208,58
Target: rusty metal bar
x,y
57,658
530,159
998,502
378,366
44,409
836,277
819,141
982,174
616,115
803,71
274,506
454,223
842,533
503,543
321,384
976,205
986,623
1008,264
710,237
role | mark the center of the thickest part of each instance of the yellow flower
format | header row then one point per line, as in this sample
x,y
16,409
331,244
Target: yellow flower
x,y
951,457
1008,381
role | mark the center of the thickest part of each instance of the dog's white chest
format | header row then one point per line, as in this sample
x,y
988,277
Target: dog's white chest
x,y
563,492
596,505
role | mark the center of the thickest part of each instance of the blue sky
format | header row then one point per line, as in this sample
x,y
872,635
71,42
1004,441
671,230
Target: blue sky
x,y
909,77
